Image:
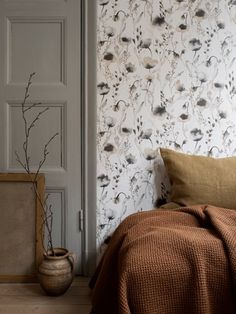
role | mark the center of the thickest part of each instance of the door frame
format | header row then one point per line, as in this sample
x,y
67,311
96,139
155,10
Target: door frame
x,y
89,131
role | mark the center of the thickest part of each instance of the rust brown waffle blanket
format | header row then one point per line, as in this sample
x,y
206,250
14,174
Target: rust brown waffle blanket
x,y
175,262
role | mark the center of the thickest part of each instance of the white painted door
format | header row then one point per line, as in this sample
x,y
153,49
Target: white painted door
x,y
43,36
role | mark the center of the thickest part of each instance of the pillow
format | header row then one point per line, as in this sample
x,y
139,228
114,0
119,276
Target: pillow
x,y
169,205
201,180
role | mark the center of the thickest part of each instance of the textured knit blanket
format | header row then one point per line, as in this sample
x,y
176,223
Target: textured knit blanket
x,y
169,262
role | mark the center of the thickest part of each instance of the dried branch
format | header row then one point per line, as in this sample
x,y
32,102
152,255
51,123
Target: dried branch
x,y
45,154
32,106
25,164
32,124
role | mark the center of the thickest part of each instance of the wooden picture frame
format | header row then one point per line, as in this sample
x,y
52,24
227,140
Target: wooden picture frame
x,y
21,221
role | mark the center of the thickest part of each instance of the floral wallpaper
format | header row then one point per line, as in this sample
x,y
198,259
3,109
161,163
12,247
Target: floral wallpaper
x,y
166,78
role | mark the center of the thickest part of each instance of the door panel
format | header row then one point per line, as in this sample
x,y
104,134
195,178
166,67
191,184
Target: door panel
x,y
44,37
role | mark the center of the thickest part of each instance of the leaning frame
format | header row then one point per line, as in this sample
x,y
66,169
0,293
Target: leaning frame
x,y
21,179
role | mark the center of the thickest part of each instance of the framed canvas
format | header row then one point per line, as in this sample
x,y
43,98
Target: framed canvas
x,y
21,217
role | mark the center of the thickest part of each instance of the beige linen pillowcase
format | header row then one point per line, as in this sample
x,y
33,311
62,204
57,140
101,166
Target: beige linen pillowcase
x,y
201,180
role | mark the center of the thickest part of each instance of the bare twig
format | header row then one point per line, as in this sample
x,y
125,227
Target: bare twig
x,y
25,164
45,153
32,106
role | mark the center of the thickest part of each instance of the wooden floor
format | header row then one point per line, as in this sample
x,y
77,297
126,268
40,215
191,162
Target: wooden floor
x,y
29,299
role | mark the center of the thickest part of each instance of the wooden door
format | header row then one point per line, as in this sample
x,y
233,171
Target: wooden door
x,y
43,36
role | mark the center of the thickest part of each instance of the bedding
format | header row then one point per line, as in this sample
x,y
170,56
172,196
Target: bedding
x,y
177,261
200,179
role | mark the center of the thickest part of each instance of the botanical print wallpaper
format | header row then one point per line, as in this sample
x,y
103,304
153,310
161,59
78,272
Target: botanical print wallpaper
x,y
166,78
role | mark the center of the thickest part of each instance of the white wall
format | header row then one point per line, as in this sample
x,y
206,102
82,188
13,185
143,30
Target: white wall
x,y
165,79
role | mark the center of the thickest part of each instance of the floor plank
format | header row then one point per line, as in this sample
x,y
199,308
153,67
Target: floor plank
x,y
29,298
44,300
35,290
45,309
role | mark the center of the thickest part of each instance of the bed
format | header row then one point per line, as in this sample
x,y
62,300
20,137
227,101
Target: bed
x,y
180,258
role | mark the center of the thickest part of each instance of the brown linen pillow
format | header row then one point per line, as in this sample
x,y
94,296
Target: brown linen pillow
x,y
201,180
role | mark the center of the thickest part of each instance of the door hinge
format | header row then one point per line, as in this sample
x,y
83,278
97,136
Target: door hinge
x,y
81,220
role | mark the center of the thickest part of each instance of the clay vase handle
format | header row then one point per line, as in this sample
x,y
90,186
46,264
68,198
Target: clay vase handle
x,y
71,259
